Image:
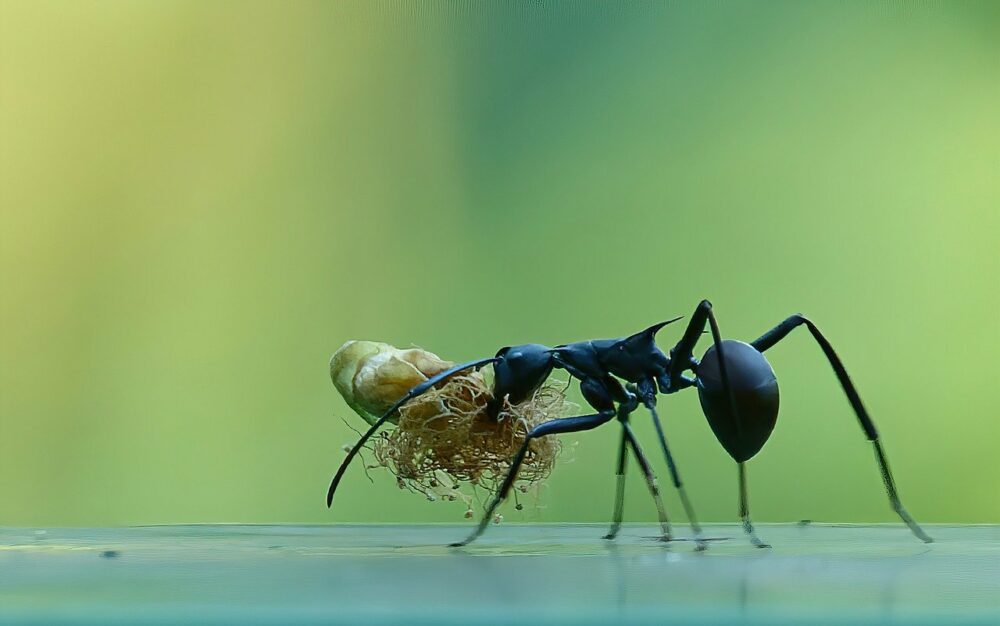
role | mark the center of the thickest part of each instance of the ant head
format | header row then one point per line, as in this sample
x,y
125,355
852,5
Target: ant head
x,y
517,372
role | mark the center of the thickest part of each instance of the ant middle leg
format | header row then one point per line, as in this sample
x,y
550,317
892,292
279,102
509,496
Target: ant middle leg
x,y
646,391
619,511
628,402
629,441
647,470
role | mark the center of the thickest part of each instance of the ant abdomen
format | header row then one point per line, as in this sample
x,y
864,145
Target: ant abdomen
x,y
755,392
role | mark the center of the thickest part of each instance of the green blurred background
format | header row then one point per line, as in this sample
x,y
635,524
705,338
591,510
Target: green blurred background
x,y
202,201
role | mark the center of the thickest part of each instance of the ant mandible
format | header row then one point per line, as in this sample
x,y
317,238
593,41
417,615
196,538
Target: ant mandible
x,y
736,386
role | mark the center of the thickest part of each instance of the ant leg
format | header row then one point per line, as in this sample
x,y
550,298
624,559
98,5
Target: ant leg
x,y
647,470
647,394
682,357
778,333
412,393
682,354
616,519
551,427
745,510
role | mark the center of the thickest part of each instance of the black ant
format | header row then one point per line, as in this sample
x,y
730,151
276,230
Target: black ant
x,y
736,386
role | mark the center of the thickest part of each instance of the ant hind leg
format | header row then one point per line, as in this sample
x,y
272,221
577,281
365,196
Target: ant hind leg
x,y
779,332
745,510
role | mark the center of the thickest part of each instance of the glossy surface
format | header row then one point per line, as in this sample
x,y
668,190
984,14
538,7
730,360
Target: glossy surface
x,y
755,391
539,574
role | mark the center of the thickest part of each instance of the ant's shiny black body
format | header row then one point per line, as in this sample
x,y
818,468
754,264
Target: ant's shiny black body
x,y
736,385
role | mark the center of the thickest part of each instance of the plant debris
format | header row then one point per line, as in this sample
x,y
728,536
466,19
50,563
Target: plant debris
x,y
445,439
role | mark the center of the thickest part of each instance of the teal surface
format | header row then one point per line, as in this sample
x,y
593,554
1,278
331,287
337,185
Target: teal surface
x,y
527,574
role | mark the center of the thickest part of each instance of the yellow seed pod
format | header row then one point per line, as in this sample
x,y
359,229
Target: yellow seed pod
x,y
372,376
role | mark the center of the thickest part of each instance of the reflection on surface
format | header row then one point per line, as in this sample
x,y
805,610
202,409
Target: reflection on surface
x,y
541,573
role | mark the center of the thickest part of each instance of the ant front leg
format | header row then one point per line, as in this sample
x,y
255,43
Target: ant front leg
x,y
595,392
779,332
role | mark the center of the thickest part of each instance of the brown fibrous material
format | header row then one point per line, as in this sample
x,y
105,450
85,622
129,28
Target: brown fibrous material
x,y
445,437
